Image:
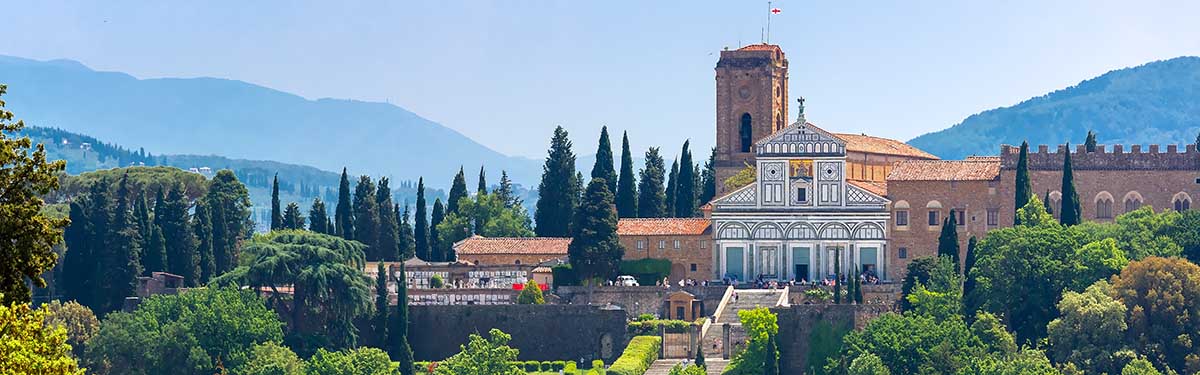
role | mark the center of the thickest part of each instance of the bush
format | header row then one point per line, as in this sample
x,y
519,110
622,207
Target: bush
x,y
818,294
532,366
598,365
570,367
646,317
436,282
531,294
557,365
638,356
650,327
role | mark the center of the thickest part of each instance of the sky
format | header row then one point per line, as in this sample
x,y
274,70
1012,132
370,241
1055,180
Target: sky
x,y
504,73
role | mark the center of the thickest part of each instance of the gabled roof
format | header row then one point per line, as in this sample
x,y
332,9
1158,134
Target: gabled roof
x,y
974,169
512,245
662,227
801,139
877,188
875,145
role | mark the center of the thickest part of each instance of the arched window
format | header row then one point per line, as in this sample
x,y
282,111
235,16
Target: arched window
x,y
1104,205
1133,201
1182,202
745,133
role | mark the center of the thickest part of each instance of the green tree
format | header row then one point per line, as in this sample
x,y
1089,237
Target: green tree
x,y
1046,203
652,200
318,217
405,239
1090,331
557,193
276,213
119,259
1024,189
968,264
1097,261
531,294
837,275
202,225
269,358
182,258
360,361
343,216
1139,366
744,177
505,191
397,340
421,229
1069,213
79,264
188,333
595,253
1089,143
381,302
685,192
708,189
868,364
603,168
932,272
672,189
760,355
1163,300
292,218
229,203
389,225
154,252
627,194
31,346
26,235
491,356
150,259
438,250
858,294
79,321
915,343
948,239
366,217
458,191
481,188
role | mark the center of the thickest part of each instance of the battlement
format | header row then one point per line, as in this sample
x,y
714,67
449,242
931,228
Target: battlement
x,y
1135,158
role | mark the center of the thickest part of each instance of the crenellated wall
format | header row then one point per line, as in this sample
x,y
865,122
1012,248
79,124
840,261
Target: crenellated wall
x,y
1118,158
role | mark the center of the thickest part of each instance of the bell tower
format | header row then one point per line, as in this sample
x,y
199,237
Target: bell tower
x,y
752,96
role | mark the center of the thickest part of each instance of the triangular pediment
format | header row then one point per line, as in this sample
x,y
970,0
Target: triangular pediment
x,y
801,139
744,196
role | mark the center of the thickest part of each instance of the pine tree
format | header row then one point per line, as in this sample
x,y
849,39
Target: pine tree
x,y
458,191
481,187
558,194
603,168
505,191
318,217
389,229
119,262
1070,211
182,258
229,205
685,192
595,253
398,347
1089,143
1023,187
343,215
421,229
437,252
708,180
948,238
366,217
652,200
626,186
405,236
276,215
672,189
381,301
292,218
203,227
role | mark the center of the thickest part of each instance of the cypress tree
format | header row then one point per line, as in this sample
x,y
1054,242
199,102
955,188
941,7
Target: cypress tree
x,y
154,251
119,262
1070,214
141,215
318,218
342,216
92,251
276,215
969,263
182,258
398,347
558,193
79,262
858,295
381,302
1197,141
594,252
458,191
421,229
652,200
772,365
626,186
389,229
366,217
685,192
202,225
603,168
505,191
708,179
481,188
405,236
437,252
292,219
948,239
229,205
672,190
1089,143
1023,188
1046,203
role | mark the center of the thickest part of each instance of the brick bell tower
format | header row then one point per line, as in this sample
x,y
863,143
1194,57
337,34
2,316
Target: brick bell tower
x,y
752,96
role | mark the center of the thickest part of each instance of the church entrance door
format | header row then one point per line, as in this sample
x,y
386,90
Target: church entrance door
x,y
769,261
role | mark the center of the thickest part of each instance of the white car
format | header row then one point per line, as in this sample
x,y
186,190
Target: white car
x,y
626,281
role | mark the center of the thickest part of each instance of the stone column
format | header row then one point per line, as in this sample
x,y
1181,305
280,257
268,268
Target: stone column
x,y
726,332
691,341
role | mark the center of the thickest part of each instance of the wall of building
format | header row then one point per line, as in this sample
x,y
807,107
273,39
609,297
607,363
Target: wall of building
x,y
540,332
509,259
918,238
692,260
753,82
638,300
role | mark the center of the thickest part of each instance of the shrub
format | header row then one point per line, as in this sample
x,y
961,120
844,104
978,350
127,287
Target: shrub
x,y
646,317
532,366
570,367
531,294
436,282
564,275
557,365
818,294
598,364
638,356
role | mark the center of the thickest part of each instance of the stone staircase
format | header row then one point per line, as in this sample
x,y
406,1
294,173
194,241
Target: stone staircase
x,y
745,299
663,366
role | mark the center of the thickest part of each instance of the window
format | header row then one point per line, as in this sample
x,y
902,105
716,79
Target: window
x,y
693,267
902,218
517,262
662,244
745,133
703,244
641,244
933,219
1104,209
676,244
802,194
902,253
1182,204
1132,204
961,216
993,217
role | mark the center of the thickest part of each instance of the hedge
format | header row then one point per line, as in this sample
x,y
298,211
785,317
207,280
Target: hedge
x,y
650,327
638,356
529,366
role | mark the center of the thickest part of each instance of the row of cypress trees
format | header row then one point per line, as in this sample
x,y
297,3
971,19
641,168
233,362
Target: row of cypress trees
x,y
1069,211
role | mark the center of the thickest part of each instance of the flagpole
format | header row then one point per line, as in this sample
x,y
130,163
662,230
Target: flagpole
x,y
769,8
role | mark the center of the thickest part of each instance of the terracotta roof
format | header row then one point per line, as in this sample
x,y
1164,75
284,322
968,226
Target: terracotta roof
x,y
984,158
877,188
876,145
512,245
660,227
946,170
760,47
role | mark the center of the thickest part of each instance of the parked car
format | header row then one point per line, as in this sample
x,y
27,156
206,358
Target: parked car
x,y
626,280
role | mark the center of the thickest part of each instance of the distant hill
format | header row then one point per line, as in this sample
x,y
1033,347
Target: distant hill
x,y
209,116
1155,103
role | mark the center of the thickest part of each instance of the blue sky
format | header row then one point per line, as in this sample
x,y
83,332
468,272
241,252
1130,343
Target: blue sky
x,y
505,72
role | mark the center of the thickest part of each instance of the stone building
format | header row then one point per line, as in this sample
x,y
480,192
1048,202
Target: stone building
x,y
511,250
683,241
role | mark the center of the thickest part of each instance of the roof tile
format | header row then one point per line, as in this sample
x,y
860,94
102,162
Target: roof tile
x,y
662,227
512,245
876,145
979,169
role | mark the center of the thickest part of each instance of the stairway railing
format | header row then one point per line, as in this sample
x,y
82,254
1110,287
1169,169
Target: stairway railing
x,y
717,313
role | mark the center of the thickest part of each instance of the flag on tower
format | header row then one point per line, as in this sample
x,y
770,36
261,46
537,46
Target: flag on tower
x,y
776,11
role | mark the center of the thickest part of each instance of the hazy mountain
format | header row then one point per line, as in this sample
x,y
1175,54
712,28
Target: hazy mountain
x,y
235,119
1155,103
